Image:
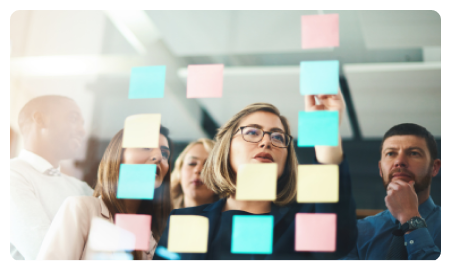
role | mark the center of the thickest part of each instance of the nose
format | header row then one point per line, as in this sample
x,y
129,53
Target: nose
x,y
266,141
401,160
156,156
198,168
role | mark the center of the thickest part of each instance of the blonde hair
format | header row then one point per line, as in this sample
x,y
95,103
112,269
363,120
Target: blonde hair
x,y
176,176
218,174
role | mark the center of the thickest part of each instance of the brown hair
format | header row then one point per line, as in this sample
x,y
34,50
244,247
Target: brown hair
x,y
176,178
218,174
108,176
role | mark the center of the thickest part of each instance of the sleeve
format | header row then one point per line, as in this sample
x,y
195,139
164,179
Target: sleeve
x,y
421,246
28,220
68,233
346,214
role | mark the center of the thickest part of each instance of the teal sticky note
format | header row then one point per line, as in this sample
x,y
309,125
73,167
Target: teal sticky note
x,y
318,128
136,181
252,234
147,82
319,77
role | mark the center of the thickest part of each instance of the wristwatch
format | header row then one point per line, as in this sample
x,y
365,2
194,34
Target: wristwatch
x,y
414,223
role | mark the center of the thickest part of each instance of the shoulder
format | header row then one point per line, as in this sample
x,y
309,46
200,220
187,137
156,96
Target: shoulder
x,y
82,204
191,210
17,166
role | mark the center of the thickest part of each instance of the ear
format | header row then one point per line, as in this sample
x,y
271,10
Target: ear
x,y
38,119
380,169
436,167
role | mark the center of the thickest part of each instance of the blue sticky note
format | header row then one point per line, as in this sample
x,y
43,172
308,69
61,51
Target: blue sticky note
x,y
319,77
318,128
147,82
136,181
252,234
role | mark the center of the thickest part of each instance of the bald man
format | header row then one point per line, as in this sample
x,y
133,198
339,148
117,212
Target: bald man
x,y
52,128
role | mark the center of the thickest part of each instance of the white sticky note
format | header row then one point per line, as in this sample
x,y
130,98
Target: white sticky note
x,y
188,234
317,184
142,131
257,182
105,236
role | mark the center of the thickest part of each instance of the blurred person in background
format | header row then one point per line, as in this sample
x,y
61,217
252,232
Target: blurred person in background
x,y
187,187
52,129
67,237
410,228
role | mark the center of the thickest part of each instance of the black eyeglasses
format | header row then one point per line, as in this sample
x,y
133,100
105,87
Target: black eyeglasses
x,y
255,135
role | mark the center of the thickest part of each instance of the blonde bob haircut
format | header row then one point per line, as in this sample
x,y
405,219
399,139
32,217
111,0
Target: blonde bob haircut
x,y
176,176
218,174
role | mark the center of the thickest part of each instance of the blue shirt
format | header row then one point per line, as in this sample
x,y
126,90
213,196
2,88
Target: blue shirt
x,y
375,235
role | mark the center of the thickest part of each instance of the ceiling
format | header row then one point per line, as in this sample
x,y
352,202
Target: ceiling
x,y
382,56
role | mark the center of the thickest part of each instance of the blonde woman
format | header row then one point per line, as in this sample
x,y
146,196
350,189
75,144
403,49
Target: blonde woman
x,y
259,134
69,231
187,187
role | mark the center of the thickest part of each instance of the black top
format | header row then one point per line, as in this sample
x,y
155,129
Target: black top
x,y
219,236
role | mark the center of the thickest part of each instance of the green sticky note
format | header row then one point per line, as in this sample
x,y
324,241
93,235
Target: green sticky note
x,y
147,82
136,181
319,77
252,234
318,128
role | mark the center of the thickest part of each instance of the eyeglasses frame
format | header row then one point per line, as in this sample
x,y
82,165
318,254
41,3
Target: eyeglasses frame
x,y
264,132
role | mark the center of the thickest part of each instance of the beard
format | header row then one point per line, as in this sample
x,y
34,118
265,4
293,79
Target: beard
x,y
420,185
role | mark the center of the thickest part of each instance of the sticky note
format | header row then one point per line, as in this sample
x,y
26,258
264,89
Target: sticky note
x,y
252,234
166,254
139,225
117,256
142,131
107,237
205,81
319,77
136,181
319,31
147,82
257,182
188,234
315,232
317,184
318,128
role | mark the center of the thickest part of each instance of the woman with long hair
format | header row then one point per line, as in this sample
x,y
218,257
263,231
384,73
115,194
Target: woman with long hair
x,y
259,134
68,234
187,187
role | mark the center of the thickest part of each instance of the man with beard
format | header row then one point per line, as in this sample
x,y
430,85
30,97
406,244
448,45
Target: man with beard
x,y
410,227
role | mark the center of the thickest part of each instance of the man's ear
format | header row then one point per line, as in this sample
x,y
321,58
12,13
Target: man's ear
x,y
38,119
380,169
436,167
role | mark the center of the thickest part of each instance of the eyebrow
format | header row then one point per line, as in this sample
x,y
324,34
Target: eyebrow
x,y
165,148
410,149
274,129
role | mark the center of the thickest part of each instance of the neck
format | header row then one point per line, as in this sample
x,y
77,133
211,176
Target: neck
x,y
423,196
44,153
193,202
132,205
253,207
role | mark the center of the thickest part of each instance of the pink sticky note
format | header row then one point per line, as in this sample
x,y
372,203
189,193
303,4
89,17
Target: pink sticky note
x,y
319,31
139,225
205,81
315,232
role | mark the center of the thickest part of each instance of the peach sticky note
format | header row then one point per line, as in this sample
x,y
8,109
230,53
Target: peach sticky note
x,y
204,81
315,232
139,225
188,234
142,131
319,31
257,182
107,237
317,183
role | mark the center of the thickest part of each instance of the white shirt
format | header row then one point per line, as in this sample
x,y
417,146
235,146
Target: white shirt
x,y
35,197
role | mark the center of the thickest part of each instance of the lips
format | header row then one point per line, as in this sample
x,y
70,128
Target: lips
x,y
401,174
264,157
158,171
197,182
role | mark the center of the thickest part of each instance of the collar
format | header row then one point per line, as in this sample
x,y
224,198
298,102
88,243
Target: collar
x,y
103,209
424,209
36,161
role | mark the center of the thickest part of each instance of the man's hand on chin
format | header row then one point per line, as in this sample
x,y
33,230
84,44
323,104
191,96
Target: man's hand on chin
x,y
401,200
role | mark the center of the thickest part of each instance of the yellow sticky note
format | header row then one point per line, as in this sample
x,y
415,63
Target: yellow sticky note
x,y
188,234
142,131
257,182
317,183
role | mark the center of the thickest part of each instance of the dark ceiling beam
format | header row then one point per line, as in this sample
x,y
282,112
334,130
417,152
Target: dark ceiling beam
x,y
357,135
